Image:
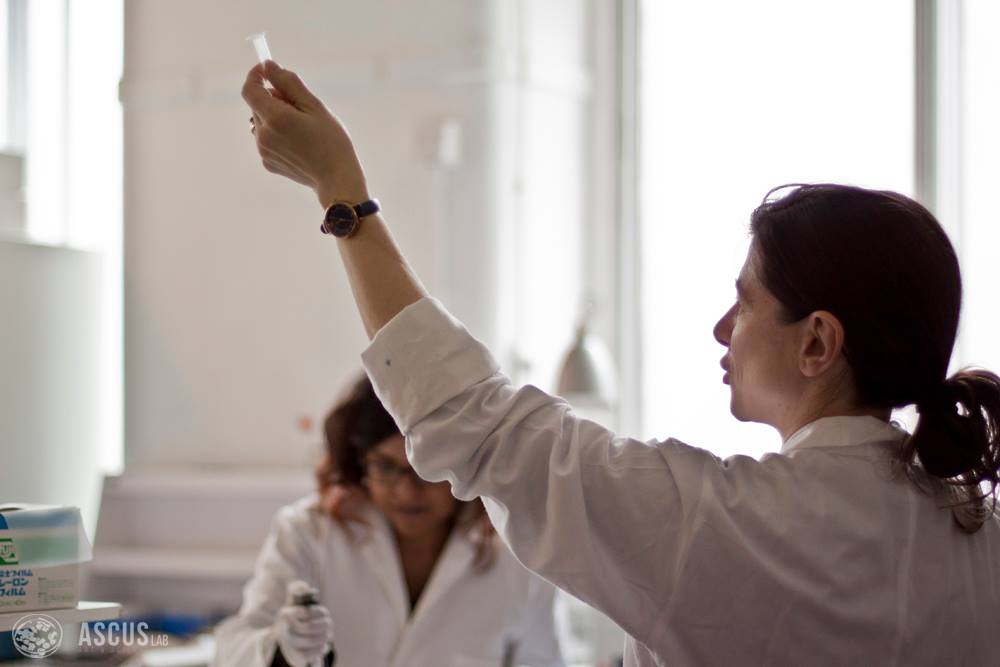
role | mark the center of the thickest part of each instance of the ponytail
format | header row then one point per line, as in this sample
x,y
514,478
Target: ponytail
x,y
957,440
883,265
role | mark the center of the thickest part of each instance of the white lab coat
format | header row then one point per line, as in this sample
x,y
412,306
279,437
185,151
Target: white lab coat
x,y
823,554
463,616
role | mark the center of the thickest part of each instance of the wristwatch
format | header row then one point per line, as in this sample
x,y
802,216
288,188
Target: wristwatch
x,y
343,218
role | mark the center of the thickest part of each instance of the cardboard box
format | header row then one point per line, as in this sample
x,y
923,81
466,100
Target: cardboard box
x,y
38,588
41,548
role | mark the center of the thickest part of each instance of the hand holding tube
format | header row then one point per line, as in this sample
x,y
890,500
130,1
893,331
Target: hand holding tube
x,y
304,631
299,138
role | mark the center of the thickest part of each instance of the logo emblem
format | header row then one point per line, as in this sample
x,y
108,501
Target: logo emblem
x,y
8,556
37,636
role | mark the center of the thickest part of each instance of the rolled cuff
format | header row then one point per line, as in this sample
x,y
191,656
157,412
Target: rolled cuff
x,y
422,358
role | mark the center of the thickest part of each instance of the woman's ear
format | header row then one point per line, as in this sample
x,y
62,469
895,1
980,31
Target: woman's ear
x,y
822,343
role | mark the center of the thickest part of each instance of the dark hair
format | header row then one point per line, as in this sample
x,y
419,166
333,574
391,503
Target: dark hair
x,y
882,264
354,427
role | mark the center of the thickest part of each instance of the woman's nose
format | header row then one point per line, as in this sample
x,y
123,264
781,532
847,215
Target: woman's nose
x,y
724,327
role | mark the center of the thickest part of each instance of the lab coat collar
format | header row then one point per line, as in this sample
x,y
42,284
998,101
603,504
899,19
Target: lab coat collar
x,y
842,431
381,553
455,561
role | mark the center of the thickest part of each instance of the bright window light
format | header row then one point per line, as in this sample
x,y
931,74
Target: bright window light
x,y
72,54
979,242
46,144
4,73
736,98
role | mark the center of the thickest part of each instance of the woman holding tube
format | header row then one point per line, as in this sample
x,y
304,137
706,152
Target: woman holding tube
x,y
857,543
404,574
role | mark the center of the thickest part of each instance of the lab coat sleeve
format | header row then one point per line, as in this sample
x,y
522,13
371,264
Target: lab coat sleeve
x,y
247,639
538,646
595,514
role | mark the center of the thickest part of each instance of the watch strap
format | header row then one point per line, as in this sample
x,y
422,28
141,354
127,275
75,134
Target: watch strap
x,y
366,208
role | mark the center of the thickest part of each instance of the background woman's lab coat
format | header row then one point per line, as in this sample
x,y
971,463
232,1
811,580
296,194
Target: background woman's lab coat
x,y
463,618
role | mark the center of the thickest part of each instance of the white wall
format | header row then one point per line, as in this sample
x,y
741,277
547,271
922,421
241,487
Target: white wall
x,y
239,321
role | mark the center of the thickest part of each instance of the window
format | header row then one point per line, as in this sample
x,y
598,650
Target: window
x,y
12,114
13,34
5,78
60,65
734,99
979,236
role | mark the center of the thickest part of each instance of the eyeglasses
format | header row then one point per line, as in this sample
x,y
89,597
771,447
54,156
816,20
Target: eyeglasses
x,y
384,471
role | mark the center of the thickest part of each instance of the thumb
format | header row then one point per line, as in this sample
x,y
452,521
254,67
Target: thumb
x,y
290,86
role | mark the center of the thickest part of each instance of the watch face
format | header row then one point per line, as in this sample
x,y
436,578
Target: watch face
x,y
341,220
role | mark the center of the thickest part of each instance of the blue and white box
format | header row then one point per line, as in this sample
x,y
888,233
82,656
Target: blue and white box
x,y
41,548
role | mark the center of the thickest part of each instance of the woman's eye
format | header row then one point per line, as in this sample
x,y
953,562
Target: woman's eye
x,y
380,467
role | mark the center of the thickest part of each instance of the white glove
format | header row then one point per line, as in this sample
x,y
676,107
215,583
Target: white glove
x,y
304,633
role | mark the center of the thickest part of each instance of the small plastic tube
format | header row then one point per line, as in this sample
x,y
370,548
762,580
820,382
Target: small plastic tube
x,y
260,45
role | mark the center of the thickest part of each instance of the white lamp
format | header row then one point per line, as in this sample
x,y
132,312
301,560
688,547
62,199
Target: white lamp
x,y
587,376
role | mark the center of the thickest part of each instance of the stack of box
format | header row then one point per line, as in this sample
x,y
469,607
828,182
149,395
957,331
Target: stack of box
x,y
41,548
11,192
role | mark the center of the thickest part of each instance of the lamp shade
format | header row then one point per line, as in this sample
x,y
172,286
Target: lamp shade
x,y
587,372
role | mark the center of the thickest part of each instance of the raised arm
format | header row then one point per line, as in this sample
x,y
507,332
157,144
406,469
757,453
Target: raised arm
x,y
299,138
600,516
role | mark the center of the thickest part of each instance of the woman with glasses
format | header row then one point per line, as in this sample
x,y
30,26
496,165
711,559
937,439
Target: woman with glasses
x,y
406,574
